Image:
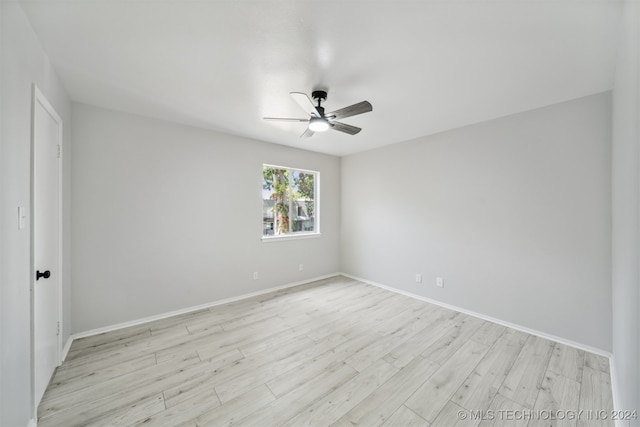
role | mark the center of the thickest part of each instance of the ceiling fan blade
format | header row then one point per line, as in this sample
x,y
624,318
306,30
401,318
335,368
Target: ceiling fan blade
x,y
351,130
303,100
307,133
281,119
351,110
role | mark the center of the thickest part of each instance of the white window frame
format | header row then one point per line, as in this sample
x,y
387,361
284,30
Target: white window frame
x,y
316,200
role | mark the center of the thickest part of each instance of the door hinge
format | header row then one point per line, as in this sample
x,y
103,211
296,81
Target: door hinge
x,y
58,330
59,150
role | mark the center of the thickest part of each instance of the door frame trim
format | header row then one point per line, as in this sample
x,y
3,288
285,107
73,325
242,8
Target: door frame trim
x,y
39,98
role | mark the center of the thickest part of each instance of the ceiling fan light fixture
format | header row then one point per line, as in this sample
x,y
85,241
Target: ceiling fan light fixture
x,y
318,120
318,124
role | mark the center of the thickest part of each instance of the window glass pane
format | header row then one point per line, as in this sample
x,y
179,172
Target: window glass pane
x,y
303,205
289,203
275,201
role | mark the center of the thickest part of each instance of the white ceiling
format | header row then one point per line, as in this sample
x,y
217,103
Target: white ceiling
x,y
426,66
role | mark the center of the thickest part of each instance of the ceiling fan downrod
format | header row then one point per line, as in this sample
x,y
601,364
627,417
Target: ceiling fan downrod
x,y
319,95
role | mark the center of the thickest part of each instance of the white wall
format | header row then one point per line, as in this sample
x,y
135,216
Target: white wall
x,y
167,217
23,62
626,213
513,213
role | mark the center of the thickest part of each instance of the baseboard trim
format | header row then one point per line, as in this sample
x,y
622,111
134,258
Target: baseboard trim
x,y
361,279
541,334
613,371
65,349
148,319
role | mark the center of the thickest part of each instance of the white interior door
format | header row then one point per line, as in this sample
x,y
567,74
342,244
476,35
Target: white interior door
x,y
47,140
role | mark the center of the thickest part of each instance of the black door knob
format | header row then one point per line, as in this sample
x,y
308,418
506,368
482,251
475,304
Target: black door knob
x,y
46,274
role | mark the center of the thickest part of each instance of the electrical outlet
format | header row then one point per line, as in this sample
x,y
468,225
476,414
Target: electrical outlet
x,y
300,267
440,282
255,275
418,278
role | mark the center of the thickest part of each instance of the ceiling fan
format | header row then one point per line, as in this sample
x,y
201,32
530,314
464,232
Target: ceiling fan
x,y
319,121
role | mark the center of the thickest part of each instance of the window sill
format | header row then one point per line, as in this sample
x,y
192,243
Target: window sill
x,y
271,239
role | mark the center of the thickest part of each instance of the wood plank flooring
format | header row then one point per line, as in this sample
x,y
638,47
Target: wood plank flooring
x,y
333,352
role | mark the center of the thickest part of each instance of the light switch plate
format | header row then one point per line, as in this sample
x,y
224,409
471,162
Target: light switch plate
x,y
22,218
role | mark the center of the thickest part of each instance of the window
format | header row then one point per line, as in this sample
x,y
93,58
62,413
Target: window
x,y
289,201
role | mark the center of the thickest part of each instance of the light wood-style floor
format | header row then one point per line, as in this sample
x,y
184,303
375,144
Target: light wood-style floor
x,y
334,352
